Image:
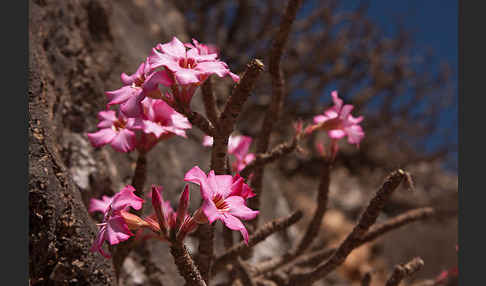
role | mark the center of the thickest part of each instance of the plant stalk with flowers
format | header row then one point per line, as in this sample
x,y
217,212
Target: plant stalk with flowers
x,y
231,187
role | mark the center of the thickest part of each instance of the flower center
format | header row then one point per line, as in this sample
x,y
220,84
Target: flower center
x,y
221,205
187,63
139,81
118,125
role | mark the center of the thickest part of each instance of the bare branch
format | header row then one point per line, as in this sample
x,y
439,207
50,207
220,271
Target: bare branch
x,y
209,102
240,94
367,219
269,157
186,265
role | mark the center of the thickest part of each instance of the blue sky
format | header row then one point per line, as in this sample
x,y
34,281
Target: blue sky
x,y
434,26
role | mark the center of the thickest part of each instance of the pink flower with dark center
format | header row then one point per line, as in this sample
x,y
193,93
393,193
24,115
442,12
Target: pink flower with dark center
x,y
118,131
162,120
114,229
224,199
189,67
141,84
338,122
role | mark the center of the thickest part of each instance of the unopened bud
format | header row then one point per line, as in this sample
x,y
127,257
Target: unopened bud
x,y
133,221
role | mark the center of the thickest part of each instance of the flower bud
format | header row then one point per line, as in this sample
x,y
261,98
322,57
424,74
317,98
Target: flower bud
x,y
133,221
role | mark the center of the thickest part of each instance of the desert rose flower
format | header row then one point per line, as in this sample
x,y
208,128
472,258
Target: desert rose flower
x,y
224,199
114,228
141,84
190,65
118,131
161,120
338,122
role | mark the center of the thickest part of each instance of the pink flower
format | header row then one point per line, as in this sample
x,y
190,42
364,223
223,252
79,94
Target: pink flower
x,y
116,131
224,198
163,120
189,67
114,228
142,83
338,121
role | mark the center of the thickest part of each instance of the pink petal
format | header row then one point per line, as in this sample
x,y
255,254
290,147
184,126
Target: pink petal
x,y
96,205
154,128
338,103
336,133
210,210
117,230
220,184
187,76
180,121
102,137
355,134
235,224
107,118
354,120
124,141
216,67
239,209
234,77
345,111
128,80
174,48
320,118
207,141
163,60
132,107
121,95
98,243
126,198
197,176
239,146
154,79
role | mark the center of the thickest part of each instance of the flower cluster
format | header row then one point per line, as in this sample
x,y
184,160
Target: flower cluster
x,y
239,147
146,115
224,199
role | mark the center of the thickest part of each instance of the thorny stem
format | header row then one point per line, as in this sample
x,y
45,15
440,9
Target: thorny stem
x,y
273,112
205,254
240,94
269,157
225,125
186,265
353,239
140,173
209,102
402,271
